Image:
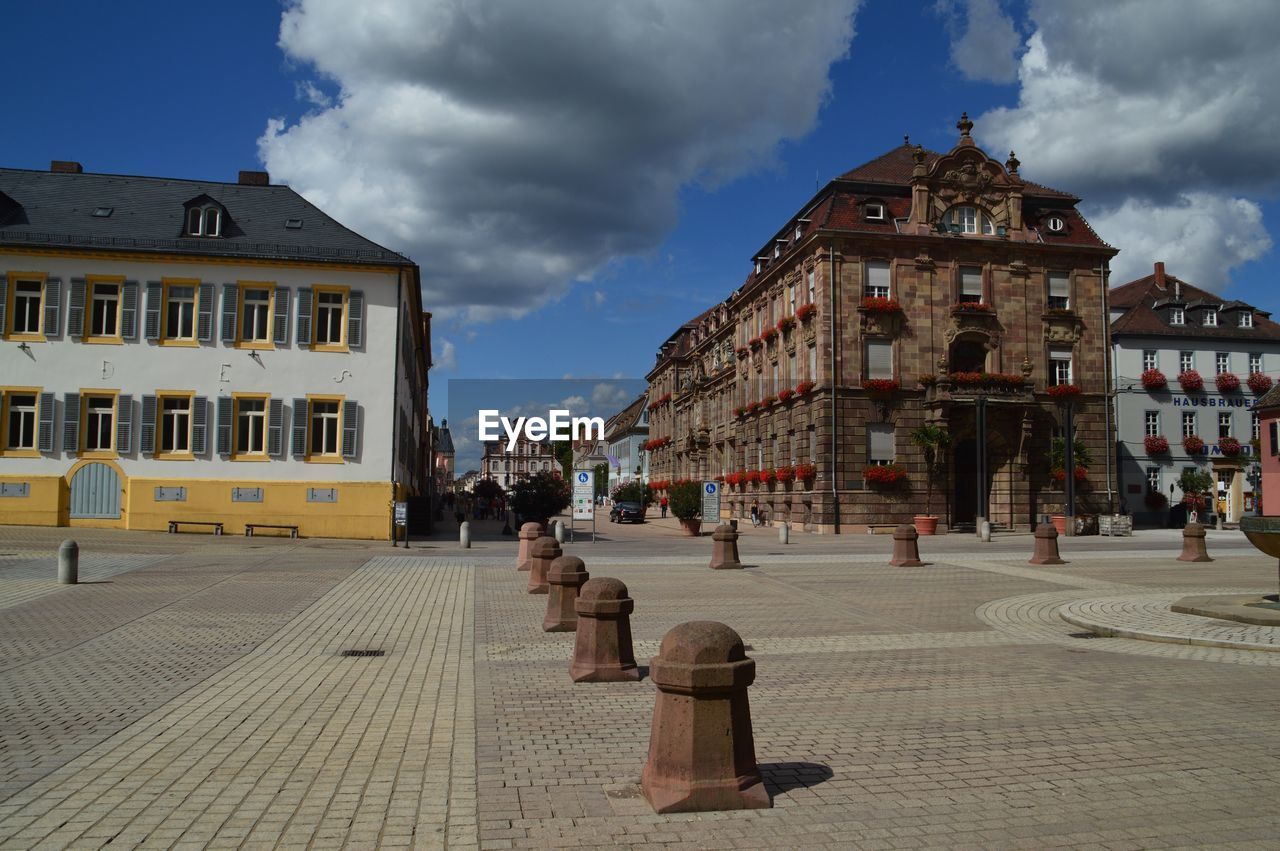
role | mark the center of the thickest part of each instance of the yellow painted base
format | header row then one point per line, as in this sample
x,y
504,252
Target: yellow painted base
x,y
363,509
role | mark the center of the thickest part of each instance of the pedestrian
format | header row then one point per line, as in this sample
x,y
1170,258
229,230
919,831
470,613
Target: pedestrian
x,y
662,503
755,514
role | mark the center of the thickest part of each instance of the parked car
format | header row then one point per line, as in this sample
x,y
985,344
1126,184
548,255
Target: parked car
x,y
624,511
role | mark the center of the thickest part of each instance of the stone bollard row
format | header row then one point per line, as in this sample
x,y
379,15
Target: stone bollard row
x,y
602,650
1046,551
906,549
567,575
544,551
529,533
1193,544
724,548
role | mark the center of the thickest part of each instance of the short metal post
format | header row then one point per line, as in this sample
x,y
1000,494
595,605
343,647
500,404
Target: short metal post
x,y
69,563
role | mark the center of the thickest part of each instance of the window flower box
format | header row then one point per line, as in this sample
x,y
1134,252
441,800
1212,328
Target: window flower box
x,y
806,472
804,387
766,477
880,386
1064,392
972,307
786,323
1193,444
1153,379
879,304
1155,444
1227,382
752,477
927,379
739,412
755,343
885,475
732,479
1058,474
785,395
805,312
784,474
1229,447
765,402
769,335
1191,381
1259,383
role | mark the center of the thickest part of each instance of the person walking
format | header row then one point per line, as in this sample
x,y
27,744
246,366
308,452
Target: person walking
x,y
755,514
662,504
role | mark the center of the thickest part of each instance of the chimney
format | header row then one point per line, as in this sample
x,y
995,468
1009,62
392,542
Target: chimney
x,y
1160,274
255,178
65,167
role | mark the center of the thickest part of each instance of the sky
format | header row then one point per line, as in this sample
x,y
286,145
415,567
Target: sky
x,y
578,177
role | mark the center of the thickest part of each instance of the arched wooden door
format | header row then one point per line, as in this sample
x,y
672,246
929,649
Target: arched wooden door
x,y
95,492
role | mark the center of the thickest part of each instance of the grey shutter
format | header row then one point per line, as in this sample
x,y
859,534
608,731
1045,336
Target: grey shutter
x,y
71,422
46,422
129,310
204,314
879,359
275,428
304,316
880,442
4,303
355,319
230,309
53,308
299,428
155,295
877,275
124,424
971,281
350,428
199,422
1059,285
75,308
224,425
147,443
280,316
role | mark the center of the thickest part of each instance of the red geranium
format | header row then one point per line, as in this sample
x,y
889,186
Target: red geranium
x,y
806,472
785,395
1058,474
1191,381
1227,382
1259,383
1153,379
1155,444
980,306
880,386
1229,446
752,476
885,475
769,335
784,474
743,351
879,304
1064,392
805,312
1193,444
766,476
786,323
804,387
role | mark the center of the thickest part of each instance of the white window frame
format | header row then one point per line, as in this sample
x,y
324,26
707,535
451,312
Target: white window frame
x,y
175,425
255,321
251,426
1225,424
1153,480
1060,367
877,279
1059,290
1186,361
1211,318
875,212
325,428
22,310
326,311
1176,316
109,312
1255,362
99,419
1150,358
1222,362
1189,425
1246,319
1152,423
175,296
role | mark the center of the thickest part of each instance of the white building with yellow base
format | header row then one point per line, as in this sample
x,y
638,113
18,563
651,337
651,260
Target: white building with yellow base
x,y
203,352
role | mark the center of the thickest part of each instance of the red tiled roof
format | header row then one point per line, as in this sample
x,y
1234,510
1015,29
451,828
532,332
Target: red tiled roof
x,y
895,166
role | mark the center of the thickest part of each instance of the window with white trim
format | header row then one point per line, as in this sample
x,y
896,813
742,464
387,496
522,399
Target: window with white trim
x,y
1153,423
204,221
180,312
1210,318
877,281
1255,363
812,284
1148,359
1059,291
1059,366
251,426
875,212
1176,316
1224,424
1255,426
99,423
1222,362
175,424
1188,423
970,284
256,322
104,312
325,429
1153,480
27,296
329,316
20,429
1186,361
966,219
1246,319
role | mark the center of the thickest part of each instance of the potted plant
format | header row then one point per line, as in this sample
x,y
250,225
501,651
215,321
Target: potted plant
x,y
880,386
685,500
1064,392
1195,487
540,496
1259,382
784,474
805,312
806,473
1153,379
785,394
1229,447
880,304
804,387
1191,381
1227,382
1155,444
1193,444
931,439
786,323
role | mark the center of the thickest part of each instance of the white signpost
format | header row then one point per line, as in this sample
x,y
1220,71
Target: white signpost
x,y
711,503
401,518
584,499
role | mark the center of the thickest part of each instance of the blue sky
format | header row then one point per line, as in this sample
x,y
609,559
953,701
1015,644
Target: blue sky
x,y
577,183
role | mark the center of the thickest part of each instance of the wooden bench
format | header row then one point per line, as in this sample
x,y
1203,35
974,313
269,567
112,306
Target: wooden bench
x,y
174,524
249,527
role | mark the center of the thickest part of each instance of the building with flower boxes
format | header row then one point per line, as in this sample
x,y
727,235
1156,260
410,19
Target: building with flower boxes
x,y
1189,366
916,289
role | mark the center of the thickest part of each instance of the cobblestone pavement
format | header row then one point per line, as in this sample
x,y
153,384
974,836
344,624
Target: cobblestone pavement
x,y
947,706
1148,617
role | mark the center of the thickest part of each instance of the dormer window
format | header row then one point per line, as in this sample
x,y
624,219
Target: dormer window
x,y
1210,318
1176,316
204,221
1246,319
1055,224
967,219
799,231
875,212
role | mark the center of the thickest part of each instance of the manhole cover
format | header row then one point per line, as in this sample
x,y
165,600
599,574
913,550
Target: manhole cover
x,y
364,653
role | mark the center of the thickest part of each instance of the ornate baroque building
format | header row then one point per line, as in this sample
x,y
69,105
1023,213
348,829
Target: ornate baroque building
x,y
918,288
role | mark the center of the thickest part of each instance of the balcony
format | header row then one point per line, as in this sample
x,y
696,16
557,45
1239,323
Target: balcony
x,y
970,386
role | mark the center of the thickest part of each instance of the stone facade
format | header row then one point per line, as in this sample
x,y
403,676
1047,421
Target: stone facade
x,y
507,467
901,294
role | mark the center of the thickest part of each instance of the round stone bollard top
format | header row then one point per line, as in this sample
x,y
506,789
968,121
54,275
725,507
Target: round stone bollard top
x,y
546,547
1193,530
567,570
1046,530
604,596
69,546
724,532
905,532
701,657
531,530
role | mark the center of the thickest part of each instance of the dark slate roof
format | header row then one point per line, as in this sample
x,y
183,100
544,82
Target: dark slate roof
x,y
1268,400
56,210
626,419
1141,298
444,439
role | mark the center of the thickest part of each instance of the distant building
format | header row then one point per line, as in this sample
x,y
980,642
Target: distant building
x,y
1268,411
507,467
919,288
465,482
1163,330
443,456
181,350
626,433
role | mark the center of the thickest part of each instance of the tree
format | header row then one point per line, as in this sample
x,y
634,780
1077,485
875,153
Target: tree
x,y
602,479
1058,453
563,452
685,500
931,439
487,489
540,496
1195,486
637,492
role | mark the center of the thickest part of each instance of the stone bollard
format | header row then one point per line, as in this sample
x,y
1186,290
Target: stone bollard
x,y
1193,548
564,580
784,533
1046,551
602,649
529,533
701,753
906,547
560,533
464,534
724,548
69,563
985,532
544,551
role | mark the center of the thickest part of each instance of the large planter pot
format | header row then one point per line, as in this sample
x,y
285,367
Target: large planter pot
x,y
1059,522
926,524
692,526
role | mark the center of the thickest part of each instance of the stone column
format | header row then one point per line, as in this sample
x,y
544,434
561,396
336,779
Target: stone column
x,y
544,551
602,650
567,575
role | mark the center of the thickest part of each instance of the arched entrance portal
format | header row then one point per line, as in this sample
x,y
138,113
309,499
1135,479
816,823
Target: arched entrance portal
x,y
967,354
95,492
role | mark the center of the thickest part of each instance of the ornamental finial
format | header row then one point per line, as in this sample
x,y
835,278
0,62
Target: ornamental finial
x,y
964,125
1012,163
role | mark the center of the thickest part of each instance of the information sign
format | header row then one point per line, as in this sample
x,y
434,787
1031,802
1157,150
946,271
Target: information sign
x,y
402,514
711,503
584,495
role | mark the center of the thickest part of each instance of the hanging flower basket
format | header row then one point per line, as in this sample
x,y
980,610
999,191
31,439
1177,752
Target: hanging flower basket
x,y
880,386
1153,379
1227,382
885,475
1191,381
1155,444
769,335
877,304
755,343
1193,444
804,387
1229,446
805,312
1064,392
1259,383
786,323
784,474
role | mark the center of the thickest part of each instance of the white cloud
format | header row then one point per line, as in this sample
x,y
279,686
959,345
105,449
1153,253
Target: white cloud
x,y
984,40
1163,116
513,149
445,357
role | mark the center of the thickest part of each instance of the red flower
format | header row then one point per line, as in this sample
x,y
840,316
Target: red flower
x,y
1064,392
752,476
1191,381
878,304
785,395
765,402
804,387
806,472
732,478
880,386
885,475
786,323
784,474
1192,444
1058,474
755,342
1229,446
769,335
1227,382
1153,379
805,312
1155,444
743,351
1259,383
766,476
980,306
